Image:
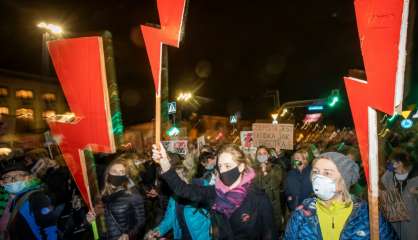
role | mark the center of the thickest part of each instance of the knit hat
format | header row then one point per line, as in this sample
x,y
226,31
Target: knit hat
x,y
12,162
348,169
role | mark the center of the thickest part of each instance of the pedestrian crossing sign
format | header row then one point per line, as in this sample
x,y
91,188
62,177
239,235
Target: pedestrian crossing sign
x,y
415,115
172,107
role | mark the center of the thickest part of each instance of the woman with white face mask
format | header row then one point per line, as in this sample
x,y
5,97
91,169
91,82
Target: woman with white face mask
x,y
333,213
270,179
239,209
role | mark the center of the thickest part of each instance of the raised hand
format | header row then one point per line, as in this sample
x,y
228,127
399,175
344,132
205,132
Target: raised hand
x,y
159,155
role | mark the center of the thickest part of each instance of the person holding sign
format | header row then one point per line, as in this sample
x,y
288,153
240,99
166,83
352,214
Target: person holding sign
x,y
270,179
334,213
123,207
239,209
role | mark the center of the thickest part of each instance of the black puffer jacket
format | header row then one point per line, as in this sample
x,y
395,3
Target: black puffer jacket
x,y
124,214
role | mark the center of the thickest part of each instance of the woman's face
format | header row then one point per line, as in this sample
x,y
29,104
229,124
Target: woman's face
x,y
398,166
15,176
302,159
299,157
262,151
210,162
226,163
117,170
327,168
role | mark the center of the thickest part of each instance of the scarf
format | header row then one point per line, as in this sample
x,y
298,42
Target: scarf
x,y
228,200
4,199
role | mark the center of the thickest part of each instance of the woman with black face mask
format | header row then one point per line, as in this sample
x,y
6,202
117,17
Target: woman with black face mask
x,y
239,210
123,208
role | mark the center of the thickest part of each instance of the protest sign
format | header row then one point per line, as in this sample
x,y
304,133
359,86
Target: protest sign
x,y
278,136
176,146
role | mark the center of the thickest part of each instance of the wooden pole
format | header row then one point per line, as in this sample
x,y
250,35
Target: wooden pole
x,y
373,175
157,120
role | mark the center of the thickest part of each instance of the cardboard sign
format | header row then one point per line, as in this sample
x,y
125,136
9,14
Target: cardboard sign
x,y
89,89
171,14
246,139
273,135
176,146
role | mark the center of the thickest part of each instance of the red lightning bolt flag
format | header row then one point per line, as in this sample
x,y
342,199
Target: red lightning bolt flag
x,y
80,67
382,27
171,13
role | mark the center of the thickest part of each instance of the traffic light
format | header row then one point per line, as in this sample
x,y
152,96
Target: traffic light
x,y
173,131
334,98
392,118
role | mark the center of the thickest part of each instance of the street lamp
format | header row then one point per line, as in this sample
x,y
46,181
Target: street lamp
x,y
284,112
54,29
50,29
274,116
184,97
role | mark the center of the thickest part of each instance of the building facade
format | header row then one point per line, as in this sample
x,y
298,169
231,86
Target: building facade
x,y
27,100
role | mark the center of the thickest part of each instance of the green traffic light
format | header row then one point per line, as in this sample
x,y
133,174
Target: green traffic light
x,y
173,131
393,117
334,101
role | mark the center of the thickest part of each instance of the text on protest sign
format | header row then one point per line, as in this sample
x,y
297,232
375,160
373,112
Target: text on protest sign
x,y
273,135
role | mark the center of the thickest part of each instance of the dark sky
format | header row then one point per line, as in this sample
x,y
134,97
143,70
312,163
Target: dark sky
x,y
234,50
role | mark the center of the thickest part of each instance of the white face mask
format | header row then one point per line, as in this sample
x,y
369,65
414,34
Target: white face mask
x,y
401,177
324,187
262,158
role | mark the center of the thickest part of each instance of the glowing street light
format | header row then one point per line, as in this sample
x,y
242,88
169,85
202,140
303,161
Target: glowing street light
x,y
274,116
51,31
55,29
184,97
284,112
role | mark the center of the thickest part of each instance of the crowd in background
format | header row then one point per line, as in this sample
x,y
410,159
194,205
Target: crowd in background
x,y
318,190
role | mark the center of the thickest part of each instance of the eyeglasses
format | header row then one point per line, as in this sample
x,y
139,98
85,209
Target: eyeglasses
x,y
14,178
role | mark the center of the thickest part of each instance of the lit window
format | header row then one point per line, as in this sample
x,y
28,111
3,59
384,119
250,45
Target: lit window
x,y
24,113
48,114
24,94
4,110
49,97
3,92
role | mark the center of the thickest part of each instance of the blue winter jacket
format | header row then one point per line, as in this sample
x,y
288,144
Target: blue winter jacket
x,y
197,221
35,213
298,187
304,224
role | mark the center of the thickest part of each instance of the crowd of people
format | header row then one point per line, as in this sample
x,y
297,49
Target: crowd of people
x,y
317,191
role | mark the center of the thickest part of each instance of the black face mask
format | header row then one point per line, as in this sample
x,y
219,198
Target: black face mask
x,y
117,180
296,163
229,177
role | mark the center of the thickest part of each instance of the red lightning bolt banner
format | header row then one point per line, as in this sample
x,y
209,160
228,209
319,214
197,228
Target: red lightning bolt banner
x,y
80,67
171,13
382,27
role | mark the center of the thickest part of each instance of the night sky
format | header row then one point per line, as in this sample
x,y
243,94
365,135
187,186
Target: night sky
x,y
234,51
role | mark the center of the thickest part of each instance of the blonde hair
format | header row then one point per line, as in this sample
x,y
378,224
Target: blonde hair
x,y
304,151
345,192
237,154
108,188
132,170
